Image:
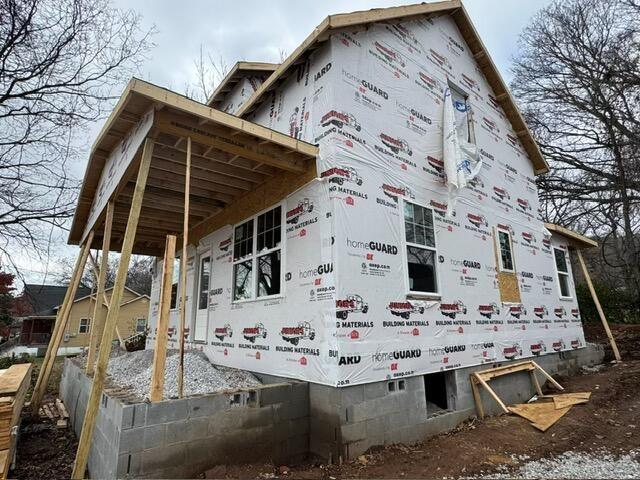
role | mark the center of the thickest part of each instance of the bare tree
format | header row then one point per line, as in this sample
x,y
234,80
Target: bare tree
x,y
61,64
578,79
139,276
211,68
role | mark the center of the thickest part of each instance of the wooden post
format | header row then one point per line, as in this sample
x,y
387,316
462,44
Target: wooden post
x,y
100,312
59,327
548,377
160,351
93,404
183,269
603,319
476,396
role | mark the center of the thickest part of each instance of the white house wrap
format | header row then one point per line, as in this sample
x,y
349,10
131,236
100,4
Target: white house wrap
x,y
377,282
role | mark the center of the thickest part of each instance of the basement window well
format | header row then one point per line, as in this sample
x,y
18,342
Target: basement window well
x,y
435,387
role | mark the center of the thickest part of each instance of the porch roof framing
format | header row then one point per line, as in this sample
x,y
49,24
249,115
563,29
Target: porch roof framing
x,y
230,157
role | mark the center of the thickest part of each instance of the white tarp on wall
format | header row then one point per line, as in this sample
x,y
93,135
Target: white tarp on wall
x,y
373,101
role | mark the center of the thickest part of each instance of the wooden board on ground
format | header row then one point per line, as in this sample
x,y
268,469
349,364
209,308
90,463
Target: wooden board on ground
x,y
14,383
569,399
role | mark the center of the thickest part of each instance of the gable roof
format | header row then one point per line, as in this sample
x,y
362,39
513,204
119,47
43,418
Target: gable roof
x,y
239,71
44,299
358,20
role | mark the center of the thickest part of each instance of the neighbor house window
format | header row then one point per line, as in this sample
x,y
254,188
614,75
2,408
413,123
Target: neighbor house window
x,y
141,325
506,252
421,249
257,256
84,325
562,268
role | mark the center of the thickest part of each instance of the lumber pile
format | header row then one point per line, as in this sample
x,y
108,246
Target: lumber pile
x,y
56,412
14,383
549,408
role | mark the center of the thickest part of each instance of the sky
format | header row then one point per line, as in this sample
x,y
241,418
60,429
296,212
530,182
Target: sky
x,y
258,30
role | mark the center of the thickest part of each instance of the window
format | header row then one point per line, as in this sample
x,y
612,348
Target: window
x,y
84,325
462,110
421,248
175,279
257,247
141,325
562,268
506,255
203,293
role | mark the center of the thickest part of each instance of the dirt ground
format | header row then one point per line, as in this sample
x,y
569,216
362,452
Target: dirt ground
x,y
610,420
44,451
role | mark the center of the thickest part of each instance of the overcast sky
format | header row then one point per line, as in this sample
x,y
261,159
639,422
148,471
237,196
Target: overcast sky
x,y
257,30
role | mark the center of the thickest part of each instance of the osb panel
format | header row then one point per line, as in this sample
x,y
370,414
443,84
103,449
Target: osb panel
x,y
509,289
507,282
263,196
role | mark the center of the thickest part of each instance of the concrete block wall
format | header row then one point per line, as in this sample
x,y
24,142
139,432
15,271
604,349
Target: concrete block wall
x,y
283,421
181,438
345,422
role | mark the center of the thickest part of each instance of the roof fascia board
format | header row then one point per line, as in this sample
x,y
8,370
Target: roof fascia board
x,y
585,242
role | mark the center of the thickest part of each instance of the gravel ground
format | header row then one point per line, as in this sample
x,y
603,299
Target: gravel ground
x,y
600,464
133,371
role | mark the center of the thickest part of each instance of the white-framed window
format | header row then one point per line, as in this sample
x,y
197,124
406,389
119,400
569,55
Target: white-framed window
x,y
257,256
562,271
175,281
141,325
85,323
420,250
203,288
505,251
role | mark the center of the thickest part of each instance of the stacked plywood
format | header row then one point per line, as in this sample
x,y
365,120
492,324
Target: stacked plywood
x,y
14,383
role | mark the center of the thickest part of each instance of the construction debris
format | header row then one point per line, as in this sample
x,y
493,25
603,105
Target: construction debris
x,y
549,408
14,383
133,372
56,412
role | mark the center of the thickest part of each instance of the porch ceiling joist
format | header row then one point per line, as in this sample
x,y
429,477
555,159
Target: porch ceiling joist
x,y
230,158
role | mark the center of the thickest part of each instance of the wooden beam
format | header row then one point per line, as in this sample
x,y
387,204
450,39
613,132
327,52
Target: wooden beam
x,y
491,392
100,311
61,324
183,269
603,318
160,351
93,404
211,136
549,377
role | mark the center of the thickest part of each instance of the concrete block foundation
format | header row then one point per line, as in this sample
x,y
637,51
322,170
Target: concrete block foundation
x,y
284,420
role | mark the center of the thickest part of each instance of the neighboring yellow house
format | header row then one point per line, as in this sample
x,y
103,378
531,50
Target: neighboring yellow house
x,y
132,319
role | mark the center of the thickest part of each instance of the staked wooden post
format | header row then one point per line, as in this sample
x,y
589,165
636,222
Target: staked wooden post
x,y
100,312
183,269
93,404
603,319
61,324
160,352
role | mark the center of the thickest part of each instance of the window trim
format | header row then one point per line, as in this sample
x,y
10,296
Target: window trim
x,y
201,256
513,260
87,326
255,255
405,258
558,273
